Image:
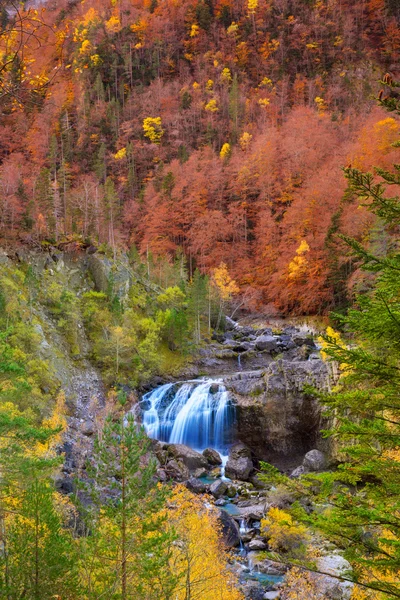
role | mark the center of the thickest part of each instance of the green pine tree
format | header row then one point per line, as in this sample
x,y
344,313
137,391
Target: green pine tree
x,y
128,551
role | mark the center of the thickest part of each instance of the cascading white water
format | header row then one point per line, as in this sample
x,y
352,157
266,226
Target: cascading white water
x,y
196,413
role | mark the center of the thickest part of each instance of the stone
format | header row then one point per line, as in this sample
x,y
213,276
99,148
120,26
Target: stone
x,y
64,485
253,591
267,342
200,473
88,428
314,461
257,544
162,475
220,502
298,471
177,470
303,340
196,485
212,456
231,491
192,459
332,588
230,530
239,465
253,513
218,488
271,595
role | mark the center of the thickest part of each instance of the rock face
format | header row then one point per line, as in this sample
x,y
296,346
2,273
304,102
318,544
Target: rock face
x,y
274,415
239,465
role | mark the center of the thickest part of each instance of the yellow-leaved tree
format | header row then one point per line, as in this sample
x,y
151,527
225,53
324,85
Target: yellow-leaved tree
x,y
298,265
199,557
226,288
226,285
152,128
225,151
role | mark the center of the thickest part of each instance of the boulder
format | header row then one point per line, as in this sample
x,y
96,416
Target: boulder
x,y
258,544
264,565
177,470
192,459
332,588
230,530
267,342
196,485
253,591
218,488
271,595
200,473
303,340
212,456
239,465
314,461
254,512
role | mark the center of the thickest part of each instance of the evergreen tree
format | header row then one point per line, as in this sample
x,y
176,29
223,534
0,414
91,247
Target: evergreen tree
x,y
363,494
41,561
128,551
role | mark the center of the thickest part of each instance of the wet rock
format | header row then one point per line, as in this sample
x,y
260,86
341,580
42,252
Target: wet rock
x,y
258,544
196,485
267,342
231,491
314,461
218,488
212,456
230,530
264,565
192,459
239,465
220,502
200,473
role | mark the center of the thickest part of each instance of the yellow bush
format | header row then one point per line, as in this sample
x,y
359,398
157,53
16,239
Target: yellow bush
x,y
283,533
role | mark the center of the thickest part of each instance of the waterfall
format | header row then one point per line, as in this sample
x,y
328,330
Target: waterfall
x,y
198,414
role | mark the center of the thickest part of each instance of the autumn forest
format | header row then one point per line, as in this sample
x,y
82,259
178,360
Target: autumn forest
x,y
216,129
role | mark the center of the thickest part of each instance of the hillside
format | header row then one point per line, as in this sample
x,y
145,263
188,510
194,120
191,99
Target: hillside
x,y
213,129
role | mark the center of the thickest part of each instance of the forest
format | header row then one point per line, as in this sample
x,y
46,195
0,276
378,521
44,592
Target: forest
x,y
199,191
